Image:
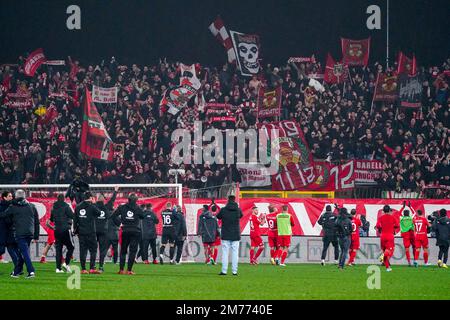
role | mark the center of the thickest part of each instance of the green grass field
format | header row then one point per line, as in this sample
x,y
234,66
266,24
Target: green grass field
x,y
198,281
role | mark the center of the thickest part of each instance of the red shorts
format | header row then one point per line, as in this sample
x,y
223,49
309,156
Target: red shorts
x,y
354,244
273,241
284,241
50,237
217,242
408,238
256,241
387,242
421,241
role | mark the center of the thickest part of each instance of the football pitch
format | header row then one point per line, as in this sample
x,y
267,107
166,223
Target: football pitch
x,y
199,281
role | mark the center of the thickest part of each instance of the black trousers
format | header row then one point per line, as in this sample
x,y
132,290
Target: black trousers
x,y
88,243
344,244
115,246
179,245
130,240
443,252
326,243
63,238
102,240
143,248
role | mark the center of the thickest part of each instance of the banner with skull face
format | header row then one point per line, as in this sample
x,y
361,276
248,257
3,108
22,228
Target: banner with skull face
x,y
246,47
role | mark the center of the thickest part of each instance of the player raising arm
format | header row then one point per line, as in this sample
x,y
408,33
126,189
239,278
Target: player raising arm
x,y
421,227
256,220
407,232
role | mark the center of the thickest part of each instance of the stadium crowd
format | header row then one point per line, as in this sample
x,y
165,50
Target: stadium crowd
x,y
340,123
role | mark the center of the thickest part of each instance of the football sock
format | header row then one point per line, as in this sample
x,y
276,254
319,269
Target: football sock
x,y
216,251
408,255
171,252
425,257
386,259
352,256
416,254
252,255
283,256
258,253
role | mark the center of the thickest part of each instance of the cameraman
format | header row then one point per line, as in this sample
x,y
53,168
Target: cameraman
x,y
328,223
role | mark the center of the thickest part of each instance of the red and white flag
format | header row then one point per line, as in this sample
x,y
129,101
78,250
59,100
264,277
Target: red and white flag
x,y
95,140
219,31
406,65
335,72
34,60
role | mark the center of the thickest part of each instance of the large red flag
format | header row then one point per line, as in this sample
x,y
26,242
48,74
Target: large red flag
x,y
95,140
355,52
406,65
335,72
34,60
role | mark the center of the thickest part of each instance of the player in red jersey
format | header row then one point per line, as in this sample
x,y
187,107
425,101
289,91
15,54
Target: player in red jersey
x,y
272,233
256,242
215,245
354,241
421,227
50,240
387,226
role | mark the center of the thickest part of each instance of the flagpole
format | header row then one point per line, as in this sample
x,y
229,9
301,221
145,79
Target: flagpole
x,y
387,35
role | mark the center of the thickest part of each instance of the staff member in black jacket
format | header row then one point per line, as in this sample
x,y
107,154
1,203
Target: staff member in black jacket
x,y
328,223
344,230
62,217
101,225
441,227
129,215
180,233
113,239
6,230
84,227
26,228
148,234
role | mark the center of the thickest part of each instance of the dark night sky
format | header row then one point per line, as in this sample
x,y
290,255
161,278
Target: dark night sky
x,y
142,31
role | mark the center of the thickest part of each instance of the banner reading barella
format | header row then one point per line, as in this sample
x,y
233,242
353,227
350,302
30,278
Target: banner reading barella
x,y
104,95
367,171
269,102
355,52
34,60
306,212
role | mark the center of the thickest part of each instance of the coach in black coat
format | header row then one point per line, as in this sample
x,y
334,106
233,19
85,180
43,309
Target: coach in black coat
x,y
231,234
148,234
180,232
26,224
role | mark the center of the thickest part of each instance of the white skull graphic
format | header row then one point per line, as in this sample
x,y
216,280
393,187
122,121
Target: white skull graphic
x,y
249,54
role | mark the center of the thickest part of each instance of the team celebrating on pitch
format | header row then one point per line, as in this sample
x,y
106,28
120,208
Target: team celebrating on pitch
x,y
100,227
